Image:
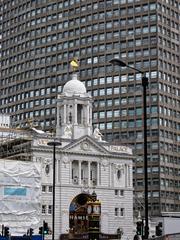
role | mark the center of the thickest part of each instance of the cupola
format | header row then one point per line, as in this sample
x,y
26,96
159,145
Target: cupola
x,y
74,110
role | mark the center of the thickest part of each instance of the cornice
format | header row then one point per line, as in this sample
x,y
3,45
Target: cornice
x,y
87,154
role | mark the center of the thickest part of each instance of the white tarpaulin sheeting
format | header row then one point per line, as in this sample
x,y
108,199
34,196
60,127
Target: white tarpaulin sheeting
x,y
20,195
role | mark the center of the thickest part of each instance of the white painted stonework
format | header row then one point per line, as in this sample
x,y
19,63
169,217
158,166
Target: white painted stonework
x,y
84,164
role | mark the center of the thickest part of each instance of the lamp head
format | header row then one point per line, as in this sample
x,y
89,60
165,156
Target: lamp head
x,y
54,143
118,62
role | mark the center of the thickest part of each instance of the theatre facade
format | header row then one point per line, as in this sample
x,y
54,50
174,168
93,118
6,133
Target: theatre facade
x,y
86,166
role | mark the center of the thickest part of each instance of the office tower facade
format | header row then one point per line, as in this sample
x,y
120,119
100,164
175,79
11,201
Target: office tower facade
x,y
39,38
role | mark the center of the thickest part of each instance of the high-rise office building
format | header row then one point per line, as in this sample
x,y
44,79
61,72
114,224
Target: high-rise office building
x,y
38,38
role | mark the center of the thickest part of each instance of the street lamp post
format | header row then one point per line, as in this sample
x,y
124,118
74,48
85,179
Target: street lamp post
x,y
118,62
54,144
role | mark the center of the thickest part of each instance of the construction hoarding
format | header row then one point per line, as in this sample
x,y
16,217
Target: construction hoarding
x,y
20,195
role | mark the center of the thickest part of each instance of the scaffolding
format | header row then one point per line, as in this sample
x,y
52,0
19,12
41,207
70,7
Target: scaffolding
x,y
15,144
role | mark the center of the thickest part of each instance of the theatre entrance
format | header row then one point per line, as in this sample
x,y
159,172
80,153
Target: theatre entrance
x,y
84,219
78,215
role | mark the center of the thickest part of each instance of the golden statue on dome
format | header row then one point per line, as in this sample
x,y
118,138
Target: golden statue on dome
x,y
74,64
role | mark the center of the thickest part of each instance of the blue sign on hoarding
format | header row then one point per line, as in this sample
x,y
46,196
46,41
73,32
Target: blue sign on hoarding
x,y
15,191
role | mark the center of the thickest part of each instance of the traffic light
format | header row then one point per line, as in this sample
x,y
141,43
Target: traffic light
x,y
40,230
46,228
6,231
31,231
139,228
159,229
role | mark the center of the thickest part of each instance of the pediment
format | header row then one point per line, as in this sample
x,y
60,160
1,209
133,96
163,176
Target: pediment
x,y
85,145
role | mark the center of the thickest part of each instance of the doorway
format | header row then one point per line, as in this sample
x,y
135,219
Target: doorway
x,y
78,216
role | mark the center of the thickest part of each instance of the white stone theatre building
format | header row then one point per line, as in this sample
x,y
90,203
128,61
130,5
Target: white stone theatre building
x,y
85,163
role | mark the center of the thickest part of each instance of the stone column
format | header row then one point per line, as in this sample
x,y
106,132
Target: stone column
x,y
90,115
82,115
75,112
110,175
125,174
87,115
65,113
89,173
128,170
79,162
70,172
98,174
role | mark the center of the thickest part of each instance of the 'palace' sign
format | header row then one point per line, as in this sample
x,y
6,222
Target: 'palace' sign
x,y
120,149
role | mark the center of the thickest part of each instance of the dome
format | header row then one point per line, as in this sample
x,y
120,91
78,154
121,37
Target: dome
x,y
74,86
